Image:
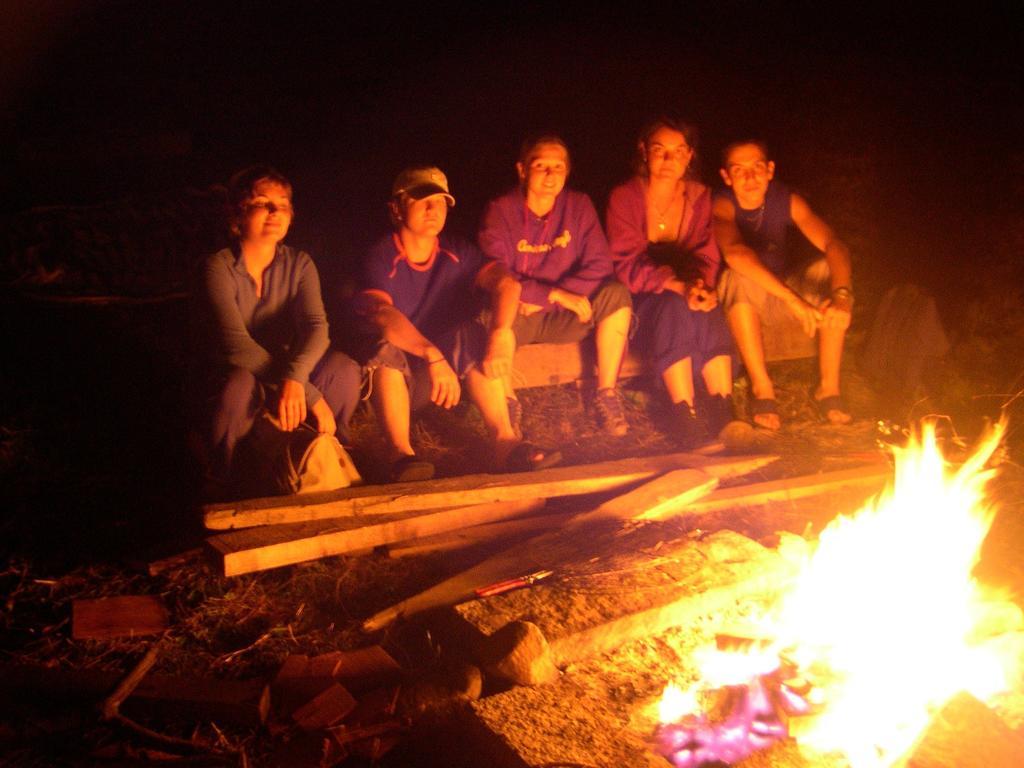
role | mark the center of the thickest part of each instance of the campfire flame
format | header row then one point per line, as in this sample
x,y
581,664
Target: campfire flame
x,y
881,627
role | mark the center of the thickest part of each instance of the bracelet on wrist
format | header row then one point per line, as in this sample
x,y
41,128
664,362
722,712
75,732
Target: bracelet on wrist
x,y
435,362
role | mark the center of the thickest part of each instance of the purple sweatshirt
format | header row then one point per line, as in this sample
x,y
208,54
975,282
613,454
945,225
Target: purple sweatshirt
x,y
626,221
565,249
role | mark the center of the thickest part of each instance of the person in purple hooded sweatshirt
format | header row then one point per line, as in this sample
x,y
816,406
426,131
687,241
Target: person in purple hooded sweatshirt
x,y
659,228
550,238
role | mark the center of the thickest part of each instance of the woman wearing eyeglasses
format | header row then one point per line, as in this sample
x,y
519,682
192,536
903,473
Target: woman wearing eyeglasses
x,y
659,231
265,329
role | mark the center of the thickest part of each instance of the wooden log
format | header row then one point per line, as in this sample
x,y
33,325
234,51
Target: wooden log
x,y
258,549
788,489
674,490
126,616
479,534
471,489
244,702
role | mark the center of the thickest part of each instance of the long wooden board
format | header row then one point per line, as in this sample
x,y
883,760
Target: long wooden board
x,y
505,530
469,489
674,490
788,489
258,549
776,575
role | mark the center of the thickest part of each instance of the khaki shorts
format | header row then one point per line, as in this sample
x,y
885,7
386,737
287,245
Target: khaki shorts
x,y
810,281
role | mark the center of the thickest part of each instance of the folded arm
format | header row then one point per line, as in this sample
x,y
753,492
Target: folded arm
x,y
395,328
745,261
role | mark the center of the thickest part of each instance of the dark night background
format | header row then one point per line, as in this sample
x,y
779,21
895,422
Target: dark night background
x,y
902,127
109,99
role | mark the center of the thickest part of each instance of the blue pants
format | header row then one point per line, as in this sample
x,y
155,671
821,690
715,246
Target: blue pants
x,y
669,331
237,400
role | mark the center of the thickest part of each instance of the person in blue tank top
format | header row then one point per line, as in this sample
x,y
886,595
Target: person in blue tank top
x,y
752,218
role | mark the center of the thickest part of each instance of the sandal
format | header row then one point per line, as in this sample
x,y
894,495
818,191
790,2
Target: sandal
x,y
527,457
830,404
763,406
410,469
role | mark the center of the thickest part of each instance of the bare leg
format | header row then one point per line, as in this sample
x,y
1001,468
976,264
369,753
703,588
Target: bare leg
x,y
489,396
611,338
746,329
830,358
391,404
717,374
678,379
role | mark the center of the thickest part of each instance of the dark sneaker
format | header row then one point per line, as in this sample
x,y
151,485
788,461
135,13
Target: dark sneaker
x,y
717,413
610,413
686,427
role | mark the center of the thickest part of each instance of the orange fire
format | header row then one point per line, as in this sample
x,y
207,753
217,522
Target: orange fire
x,y
885,620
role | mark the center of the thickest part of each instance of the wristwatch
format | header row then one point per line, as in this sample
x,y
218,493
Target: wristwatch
x,y
842,292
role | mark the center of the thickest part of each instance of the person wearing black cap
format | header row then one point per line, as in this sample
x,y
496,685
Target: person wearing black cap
x,y
423,291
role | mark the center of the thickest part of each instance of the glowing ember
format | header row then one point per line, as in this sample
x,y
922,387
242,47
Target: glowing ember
x,y
880,628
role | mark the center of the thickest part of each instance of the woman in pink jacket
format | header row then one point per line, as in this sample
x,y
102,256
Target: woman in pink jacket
x,y
659,231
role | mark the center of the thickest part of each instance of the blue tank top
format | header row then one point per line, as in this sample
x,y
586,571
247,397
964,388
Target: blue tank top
x,y
766,228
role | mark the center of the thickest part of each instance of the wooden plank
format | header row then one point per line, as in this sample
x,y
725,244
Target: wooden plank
x,y
243,702
125,616
776,574
541,365
967,734
479,534
174,562
325,709
364,669
294,685
258,549
674,490
788,489
469,489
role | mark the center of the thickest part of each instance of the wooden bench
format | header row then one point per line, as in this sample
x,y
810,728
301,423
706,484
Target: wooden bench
x,y
539,365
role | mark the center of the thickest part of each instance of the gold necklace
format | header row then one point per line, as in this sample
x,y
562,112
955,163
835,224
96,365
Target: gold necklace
x,y
661,223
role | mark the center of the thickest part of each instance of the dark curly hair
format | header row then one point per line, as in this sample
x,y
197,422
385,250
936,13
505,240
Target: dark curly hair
x,y
760,144
674,123
242,185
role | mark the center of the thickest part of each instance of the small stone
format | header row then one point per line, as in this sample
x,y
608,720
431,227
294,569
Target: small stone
x,y
439,689
520,654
